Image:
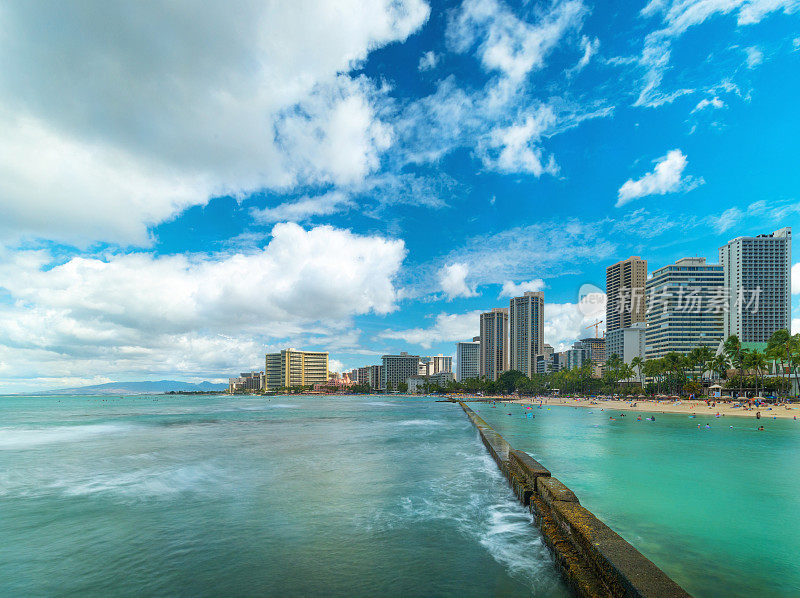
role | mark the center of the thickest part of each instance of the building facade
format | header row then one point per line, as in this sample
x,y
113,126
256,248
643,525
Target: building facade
x,y
248,382
758,285
576,356
292,367
684,309
468,359
526,331
597,349
625,291
397,369
626,343
494,343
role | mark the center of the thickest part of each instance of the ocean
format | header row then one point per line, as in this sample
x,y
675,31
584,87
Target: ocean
x,y
219,496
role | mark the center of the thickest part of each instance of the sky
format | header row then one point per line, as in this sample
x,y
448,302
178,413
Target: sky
x,y
184,189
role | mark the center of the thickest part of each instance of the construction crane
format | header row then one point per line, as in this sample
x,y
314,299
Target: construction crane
x,y
596,325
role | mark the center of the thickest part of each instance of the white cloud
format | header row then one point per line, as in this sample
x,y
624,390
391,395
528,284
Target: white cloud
x,y
795,325
453,280
189,314
590,48
543,249
796,43
796,279
447,328
304,208
508,44
754,57
727,220
714,102
334,365
428,61
108,130
511,289
564,323
666,177
515,149
677,17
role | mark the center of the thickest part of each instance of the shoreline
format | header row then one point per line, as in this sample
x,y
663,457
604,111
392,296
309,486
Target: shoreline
x,y
679,407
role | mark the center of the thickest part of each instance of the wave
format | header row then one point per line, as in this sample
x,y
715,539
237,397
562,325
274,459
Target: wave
x,y
420,422
22,438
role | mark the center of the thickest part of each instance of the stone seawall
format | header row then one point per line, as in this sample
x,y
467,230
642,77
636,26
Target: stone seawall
x,y
593,559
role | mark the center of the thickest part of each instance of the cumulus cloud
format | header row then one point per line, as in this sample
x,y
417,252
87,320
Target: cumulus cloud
x,y
515,149
447,328
428,61
507,44
189,313
666,177
564,323
796,279
511,289
108,130
453,281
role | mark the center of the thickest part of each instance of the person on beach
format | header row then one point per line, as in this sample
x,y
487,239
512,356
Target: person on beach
x,y
758,415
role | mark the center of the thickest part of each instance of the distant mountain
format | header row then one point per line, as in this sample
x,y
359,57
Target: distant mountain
x,y
133,388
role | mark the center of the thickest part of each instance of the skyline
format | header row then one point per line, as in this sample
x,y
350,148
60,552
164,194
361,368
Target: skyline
x,y
183,193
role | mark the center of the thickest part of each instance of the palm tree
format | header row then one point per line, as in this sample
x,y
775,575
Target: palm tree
x,y
703,355
637,362
757,361
733,349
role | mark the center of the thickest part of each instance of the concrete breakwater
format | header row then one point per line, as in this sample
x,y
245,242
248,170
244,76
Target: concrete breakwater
x,y
593,559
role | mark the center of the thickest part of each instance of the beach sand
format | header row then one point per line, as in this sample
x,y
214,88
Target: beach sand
x,y
683,406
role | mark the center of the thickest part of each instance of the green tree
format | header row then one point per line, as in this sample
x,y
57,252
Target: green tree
x,y
733,350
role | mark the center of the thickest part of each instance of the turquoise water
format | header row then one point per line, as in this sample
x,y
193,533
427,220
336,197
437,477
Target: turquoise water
x,y
718,509
210,496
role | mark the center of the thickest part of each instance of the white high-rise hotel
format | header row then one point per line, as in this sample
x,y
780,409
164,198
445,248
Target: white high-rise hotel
x,y
526,331
468,359
759,285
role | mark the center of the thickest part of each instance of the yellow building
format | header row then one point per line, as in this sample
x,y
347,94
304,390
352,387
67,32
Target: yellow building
x,y
292,367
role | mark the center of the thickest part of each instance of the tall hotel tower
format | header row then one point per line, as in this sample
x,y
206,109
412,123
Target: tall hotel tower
x,y
759,285
625,289
526,331
494,343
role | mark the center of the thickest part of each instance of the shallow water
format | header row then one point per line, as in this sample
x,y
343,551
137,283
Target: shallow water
x,y
202,496
717,509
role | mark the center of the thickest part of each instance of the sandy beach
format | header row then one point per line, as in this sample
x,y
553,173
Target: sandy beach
x,y
685,406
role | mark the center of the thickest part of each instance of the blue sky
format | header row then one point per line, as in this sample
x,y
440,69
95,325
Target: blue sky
x,y
181,191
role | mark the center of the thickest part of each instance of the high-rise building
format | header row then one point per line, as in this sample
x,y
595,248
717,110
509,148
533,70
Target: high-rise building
x,y
684,310
370,374
597,349
292,367
626,343
434,364
494,343
577,356
468,359
526,331
441,364
397,369
625,289
758,285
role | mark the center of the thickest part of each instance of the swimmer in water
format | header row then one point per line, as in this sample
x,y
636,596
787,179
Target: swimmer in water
x,y
708,427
